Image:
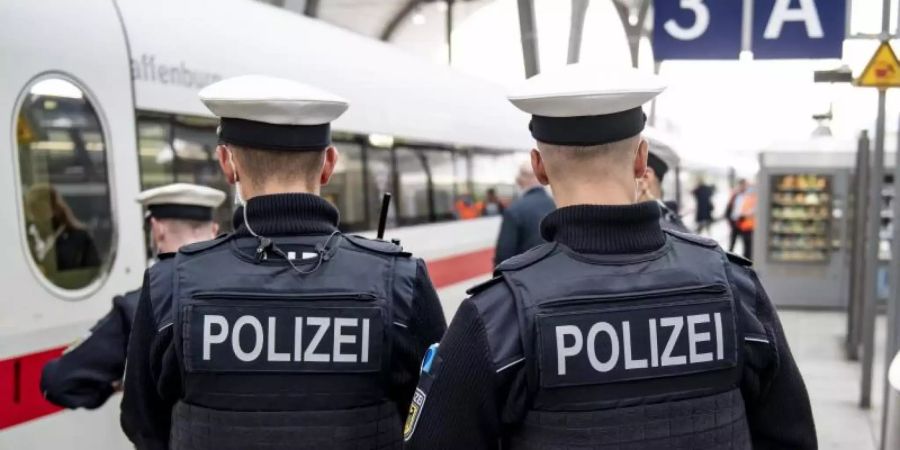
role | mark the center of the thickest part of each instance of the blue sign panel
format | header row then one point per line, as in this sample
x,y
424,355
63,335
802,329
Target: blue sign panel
x,y
697,29
806,29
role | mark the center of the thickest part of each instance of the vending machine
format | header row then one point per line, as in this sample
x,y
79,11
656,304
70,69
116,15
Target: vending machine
x,y
804,224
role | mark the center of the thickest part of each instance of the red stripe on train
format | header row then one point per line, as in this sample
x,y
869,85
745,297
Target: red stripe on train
x,y
21,399
455,269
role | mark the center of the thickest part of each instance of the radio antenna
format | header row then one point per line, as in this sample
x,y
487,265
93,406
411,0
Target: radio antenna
x,y
382,219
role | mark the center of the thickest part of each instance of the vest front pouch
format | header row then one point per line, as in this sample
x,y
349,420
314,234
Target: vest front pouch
x,y
231,332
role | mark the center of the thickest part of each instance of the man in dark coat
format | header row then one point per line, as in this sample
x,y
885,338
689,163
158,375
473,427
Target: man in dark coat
x,y
520,230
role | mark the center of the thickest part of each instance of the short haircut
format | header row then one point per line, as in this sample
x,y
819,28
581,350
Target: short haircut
x,y
592,157
259,165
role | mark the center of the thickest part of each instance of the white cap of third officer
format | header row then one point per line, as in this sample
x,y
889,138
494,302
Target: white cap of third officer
x,y
582,105
264,112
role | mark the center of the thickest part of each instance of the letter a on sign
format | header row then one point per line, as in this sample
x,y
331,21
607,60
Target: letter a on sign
x,y
883,70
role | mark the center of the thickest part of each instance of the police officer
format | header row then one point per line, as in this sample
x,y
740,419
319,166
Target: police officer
x,y
88,372
651,190
285,334
615,334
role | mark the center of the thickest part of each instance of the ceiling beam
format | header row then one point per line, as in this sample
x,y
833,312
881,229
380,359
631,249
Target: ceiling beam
x,y
398,18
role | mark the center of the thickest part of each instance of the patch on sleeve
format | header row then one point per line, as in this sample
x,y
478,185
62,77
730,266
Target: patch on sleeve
x,y
415,411
431,365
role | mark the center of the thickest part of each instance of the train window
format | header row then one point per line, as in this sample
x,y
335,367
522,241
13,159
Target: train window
x,y
63,170
411,187
380,180
182,149
345,190
440,165
495,170
462,169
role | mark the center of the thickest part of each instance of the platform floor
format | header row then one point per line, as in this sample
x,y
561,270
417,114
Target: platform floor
x,y
816,340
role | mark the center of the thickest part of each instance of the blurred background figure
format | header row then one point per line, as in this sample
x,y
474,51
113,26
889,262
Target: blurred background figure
x,y
493,206
650,190
467,208
730,213
91,370
59,242
703,195
520,230
742,214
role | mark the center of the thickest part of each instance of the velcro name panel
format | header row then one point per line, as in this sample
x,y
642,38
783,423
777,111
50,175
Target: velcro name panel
x,y
244,335
607,341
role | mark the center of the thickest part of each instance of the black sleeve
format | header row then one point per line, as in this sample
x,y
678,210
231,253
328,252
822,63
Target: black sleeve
x,y
458,395
83,376
427,326
145,414
778,407
508,239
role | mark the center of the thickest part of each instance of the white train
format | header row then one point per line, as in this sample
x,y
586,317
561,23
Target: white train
x,y
98,102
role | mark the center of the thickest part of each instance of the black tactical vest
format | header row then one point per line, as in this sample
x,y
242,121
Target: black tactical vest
x,y
629,351
272,358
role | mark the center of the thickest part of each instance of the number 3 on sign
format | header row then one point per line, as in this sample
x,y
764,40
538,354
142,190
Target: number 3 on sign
x,y
700,25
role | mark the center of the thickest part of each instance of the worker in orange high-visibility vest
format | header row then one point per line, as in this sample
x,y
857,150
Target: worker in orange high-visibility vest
x,y
744,216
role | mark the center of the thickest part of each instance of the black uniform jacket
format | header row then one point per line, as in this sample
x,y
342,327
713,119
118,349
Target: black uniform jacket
x,y
84,376
478,388
520,229
153,378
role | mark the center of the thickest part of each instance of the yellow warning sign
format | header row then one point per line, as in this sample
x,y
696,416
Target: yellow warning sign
x,y
883,70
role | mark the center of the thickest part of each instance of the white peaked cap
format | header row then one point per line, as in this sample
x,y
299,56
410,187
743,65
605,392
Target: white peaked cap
x,y
585,90
272,100
181,201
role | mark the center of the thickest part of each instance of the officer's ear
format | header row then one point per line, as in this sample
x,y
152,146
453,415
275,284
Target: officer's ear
x,y
537,165
329,163
226,164
640,159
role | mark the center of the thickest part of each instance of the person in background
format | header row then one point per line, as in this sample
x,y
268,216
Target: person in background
x,y
91,370
729,212
650,189
59,242
744,216
703,195
492,204
521,225
467,208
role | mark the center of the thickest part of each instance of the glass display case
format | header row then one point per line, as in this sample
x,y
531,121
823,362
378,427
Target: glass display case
x,y
800,215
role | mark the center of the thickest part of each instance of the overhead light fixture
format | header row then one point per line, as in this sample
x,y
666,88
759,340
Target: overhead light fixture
x,y
381,140
54,87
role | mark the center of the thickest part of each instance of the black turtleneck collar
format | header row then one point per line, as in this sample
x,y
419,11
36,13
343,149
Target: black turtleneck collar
x,y
287,214
605,229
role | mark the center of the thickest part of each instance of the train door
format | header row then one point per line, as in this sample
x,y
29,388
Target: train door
x,y
69,224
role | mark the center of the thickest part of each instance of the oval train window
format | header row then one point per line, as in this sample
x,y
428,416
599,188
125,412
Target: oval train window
x,y
64,178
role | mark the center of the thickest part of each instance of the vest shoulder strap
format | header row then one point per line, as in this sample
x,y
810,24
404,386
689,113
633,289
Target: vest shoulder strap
x,y
526,259
693,238
481,287
739,260
377,246
204,245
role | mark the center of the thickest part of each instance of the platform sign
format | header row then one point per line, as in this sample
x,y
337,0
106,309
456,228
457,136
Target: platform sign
x,y
697,29
776,29
883,70
807,29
